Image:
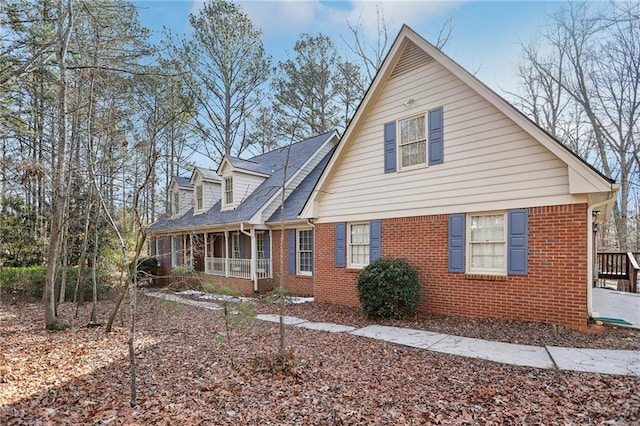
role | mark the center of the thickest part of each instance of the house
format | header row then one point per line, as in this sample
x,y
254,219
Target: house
x,y
226,225
496,215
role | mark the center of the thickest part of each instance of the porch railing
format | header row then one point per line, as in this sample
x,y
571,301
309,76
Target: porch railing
x,y
237,268
619,266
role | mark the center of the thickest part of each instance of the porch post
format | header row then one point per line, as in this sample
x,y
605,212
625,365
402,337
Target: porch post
x,y
206,252
254,260
226,253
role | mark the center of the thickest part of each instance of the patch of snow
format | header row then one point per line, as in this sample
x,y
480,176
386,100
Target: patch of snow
x,y
289,300
217,297
297,300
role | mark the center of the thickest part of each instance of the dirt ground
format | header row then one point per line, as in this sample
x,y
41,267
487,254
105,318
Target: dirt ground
x,y
186,375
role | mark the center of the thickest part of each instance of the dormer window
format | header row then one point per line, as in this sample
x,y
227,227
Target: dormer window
x,y
228,191
199,198
175,207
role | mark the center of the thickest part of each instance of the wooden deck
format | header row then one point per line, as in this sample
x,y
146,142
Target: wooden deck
x,y
620,266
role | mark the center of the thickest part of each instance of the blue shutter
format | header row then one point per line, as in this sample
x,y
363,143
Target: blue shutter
x,y
390,147
456,242
267,245
313,249
436,130
517,242
292,251
241,243
341,245
375,240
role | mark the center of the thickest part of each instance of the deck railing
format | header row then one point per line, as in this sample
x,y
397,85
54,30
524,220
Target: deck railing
x,y
619,266
237,268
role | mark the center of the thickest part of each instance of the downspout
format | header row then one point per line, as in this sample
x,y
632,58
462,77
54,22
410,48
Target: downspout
x,y
590,244
253,265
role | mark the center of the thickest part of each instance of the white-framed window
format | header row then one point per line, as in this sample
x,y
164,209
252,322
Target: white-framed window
x,y
487,243
305,251
412,141
199,198
260,253
260,245
357,245
235,245
228,191
175,203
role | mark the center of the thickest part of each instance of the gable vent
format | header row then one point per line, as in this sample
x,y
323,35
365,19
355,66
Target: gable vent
x,y
412,58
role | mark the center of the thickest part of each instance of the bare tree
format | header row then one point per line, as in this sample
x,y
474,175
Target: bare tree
x,y
371,54
64,28
590,79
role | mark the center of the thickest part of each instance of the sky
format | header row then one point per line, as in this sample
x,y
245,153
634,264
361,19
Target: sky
x,y
486,36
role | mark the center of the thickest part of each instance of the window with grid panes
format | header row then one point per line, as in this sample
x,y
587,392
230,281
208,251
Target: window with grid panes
x,y
260,245
199,198
176,202
412,141
487,243
228,191
305,251
358,247
235,245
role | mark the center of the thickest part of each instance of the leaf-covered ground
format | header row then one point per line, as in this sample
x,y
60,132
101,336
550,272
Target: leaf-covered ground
x,y
81,376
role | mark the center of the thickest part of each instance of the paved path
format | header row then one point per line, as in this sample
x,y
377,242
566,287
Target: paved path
x,y
600,361
617,304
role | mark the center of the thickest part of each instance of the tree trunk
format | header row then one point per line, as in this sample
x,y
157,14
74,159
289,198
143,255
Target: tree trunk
x,y
58,196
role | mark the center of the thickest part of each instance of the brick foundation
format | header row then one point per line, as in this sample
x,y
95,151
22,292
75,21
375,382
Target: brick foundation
x,y
553,291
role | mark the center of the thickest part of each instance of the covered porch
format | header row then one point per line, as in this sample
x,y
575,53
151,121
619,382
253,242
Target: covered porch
x,y
238,254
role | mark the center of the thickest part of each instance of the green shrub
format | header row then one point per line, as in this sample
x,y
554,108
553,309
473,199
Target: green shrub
x,y
389,288
28,282
147,267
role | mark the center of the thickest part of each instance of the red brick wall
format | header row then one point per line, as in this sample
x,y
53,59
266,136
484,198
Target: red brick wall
x,y
554,290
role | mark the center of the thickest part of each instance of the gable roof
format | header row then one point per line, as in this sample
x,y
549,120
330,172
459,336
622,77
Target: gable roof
x,y
206,175
244,166
410,48
182,182
298,155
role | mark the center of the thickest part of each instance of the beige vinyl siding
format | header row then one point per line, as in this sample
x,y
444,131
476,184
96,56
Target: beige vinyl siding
x,y
211,193
304,172
243,185
186,201
489,161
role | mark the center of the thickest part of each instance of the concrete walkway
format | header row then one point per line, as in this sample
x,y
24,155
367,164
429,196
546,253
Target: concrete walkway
x,y
600,361
617,304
